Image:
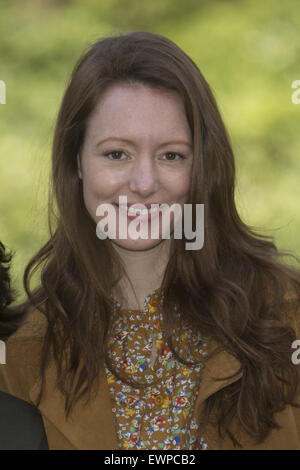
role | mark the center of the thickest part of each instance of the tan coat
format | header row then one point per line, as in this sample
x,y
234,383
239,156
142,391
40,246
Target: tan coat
x,y
92,427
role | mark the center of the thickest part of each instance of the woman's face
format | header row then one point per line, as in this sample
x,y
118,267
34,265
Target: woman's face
x,y
134,144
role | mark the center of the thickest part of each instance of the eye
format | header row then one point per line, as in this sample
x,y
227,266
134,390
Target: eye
x,y
171,156
115,155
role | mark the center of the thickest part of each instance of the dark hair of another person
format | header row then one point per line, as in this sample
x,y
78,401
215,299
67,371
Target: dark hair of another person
x,y
232,290
10,317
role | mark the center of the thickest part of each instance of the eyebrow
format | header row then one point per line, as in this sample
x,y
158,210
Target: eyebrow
x,y
128,141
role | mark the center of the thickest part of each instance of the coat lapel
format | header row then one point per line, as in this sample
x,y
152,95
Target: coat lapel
x,y
219,365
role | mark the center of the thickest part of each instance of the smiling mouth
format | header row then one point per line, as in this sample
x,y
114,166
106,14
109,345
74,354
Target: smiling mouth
x,y
135,210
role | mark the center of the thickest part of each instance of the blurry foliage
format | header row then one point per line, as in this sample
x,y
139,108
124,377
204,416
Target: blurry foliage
x,y
146,16
248,52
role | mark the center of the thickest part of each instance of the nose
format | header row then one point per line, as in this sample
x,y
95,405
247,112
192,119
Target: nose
x,y
144,178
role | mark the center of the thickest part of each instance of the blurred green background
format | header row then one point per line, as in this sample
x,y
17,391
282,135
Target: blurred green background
x,y
248,52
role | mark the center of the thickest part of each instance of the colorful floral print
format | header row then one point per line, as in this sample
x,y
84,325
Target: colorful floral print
x,y
160,415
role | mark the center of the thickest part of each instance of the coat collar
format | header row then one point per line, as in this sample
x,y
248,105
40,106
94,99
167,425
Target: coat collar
x,y
92,426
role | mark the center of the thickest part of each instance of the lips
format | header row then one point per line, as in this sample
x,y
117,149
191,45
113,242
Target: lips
x,y
134,210
139,204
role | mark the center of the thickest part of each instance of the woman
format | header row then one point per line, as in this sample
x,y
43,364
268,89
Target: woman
x,y
140,343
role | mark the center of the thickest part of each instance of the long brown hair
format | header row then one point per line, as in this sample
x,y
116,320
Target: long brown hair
x,y
232,290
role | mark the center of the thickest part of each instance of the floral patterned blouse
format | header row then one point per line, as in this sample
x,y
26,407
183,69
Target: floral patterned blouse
x,y
161,415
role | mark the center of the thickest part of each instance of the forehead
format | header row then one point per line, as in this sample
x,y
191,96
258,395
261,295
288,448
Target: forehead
x,y
139,109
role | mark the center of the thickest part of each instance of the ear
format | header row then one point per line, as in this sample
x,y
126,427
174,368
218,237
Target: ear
x,y
79,166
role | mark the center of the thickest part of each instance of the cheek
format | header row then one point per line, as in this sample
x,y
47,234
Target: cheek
x,y
100,182
179,185
98,188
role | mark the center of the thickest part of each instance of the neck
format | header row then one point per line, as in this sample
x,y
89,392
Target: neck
x,y
145,269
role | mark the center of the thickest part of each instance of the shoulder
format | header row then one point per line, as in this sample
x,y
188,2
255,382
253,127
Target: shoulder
x,y
22,352
21,425
33,326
